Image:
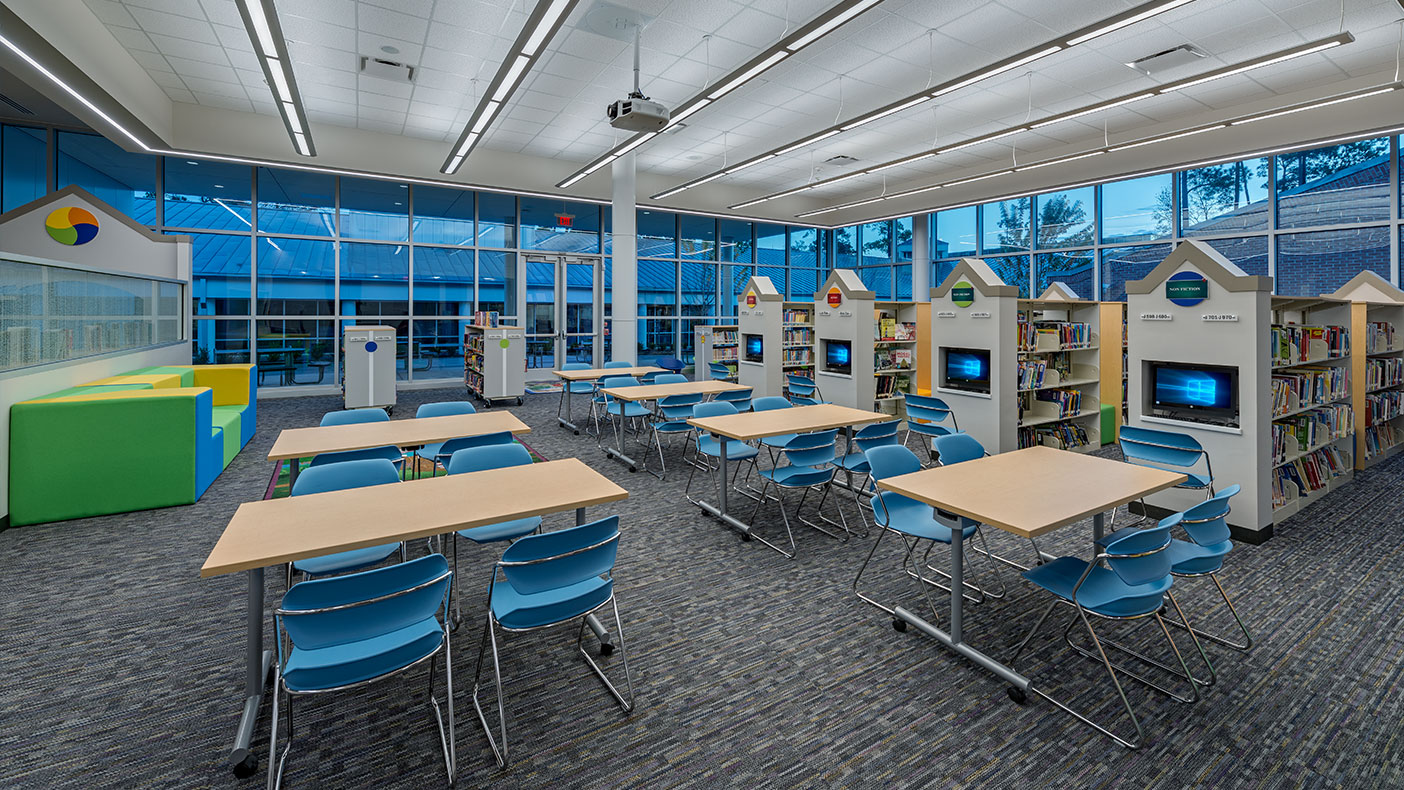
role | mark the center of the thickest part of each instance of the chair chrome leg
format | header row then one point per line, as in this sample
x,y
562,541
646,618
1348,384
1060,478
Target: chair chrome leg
x,y
843,520
626,704
276,762
881,532
1019,648
799,515
780,501
1243,647
490,636
1103,643
1120,692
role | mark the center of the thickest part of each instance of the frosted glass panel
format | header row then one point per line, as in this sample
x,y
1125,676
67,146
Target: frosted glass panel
x,y
49,314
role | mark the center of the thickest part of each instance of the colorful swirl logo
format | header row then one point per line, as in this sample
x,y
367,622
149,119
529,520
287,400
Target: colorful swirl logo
x,y
71,226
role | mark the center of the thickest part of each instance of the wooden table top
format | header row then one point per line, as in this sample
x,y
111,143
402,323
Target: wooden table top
x,y
797,419
1032,491
417,432
600,373
274,531
656,391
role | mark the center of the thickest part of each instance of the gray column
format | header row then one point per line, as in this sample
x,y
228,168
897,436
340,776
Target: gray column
x,y
624,326
921,257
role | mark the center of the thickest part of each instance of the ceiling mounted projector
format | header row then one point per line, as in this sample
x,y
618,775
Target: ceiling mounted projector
x,y
637,114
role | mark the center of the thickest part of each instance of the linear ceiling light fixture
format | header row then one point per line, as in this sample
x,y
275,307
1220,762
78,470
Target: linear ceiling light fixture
x,y
1209,127
1236,68
1038,52
71,91
827,22
261,22
541,26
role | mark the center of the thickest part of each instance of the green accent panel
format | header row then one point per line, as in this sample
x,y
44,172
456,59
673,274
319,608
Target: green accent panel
x,y
187,374
72,459
1108,423
228,418
99,388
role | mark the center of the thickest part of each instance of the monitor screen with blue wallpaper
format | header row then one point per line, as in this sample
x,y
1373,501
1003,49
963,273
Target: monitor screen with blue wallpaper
x,y
966,369
1204,390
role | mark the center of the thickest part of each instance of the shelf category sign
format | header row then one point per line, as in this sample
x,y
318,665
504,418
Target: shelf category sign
x,y
835,296
1186,289
963,294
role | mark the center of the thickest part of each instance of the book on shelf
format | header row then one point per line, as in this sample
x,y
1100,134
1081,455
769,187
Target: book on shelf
x,y
888,328
888,386
486,318
1381,373
1379,337
798,316
1382,406
889,358
796,356
1031,373
1312,472
1312,428
1382,438
1069,402
1052,335
1064,436
727,336
1309,387
1292,344
798,335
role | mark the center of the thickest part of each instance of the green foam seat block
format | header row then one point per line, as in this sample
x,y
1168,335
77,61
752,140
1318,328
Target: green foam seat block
x,y
99,388
229,418
1108,423
187,374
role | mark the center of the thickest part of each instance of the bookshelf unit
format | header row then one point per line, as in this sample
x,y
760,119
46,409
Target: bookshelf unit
x,y
1112,359
494,362
865,350
1313,427
1377,366
763,314
974,312
1059,381
719,343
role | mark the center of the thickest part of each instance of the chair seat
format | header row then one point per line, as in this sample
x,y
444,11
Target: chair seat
x,y
792,476
513,609
392,454
929,429
430,452
917,519
580,388
1103,593
505,530
628,409
346,560
735,451
854,462
1195,480
1192,558
324,668
672,426
778,441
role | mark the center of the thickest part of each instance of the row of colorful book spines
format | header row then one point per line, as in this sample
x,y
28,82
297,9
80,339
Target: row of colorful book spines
x,y
889,385
728,336
1313,471
1066,436
1067,334
1378,372
725,355
1379,336
1291,343
799,336
891,329
798,316
1069,401
1382,437
1312,428
796,356
897,358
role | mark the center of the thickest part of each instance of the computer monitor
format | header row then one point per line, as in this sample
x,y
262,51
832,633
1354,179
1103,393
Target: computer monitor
x,y
753,348
1180,389
838,356
965,369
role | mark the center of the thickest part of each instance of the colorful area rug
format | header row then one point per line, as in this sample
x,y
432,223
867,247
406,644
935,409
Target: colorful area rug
x,y
278,483
543,387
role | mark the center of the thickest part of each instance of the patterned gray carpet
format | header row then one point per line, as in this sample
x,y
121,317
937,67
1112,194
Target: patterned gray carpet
x,y
122,668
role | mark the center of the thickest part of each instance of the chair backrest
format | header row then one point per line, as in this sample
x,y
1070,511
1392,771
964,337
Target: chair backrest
x,y
345,474
616,381
891,460
1139,556
955,448
1207,522
875,435
618,363
670,378
451,446
354,416
768,402
811,449
445,408
492,456
719,370
1163,448
552,560
802,386
928,409
679,407
575,366
358,606
652,376
734,396
713,408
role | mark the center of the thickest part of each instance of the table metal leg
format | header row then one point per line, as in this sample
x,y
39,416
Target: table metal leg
x,y
566,400
606,644
618,450
1098,527
722,486
256,663
294,466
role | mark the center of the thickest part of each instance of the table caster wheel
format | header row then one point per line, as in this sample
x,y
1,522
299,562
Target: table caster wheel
x,y
245,763
606,648
745,537
899,625
1017,694
632,469
519,400
577,433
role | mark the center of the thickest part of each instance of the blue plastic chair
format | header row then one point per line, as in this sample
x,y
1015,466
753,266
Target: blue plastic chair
x,y
803,390
810,466
620,411
671,419
430,452
670,378
720,372
955,448
926,417
651,377
769,403
394,455
478,459
449,447
878,434
913,522
577,387
1134,585
670,364
340,477
619,363
546,580
708,446
741,399
346,632
1160,449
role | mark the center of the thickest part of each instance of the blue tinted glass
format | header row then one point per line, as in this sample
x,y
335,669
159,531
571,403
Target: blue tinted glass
x,y
1006,226
296,277
845,247
1074,269
1310,264
940,271
23,162
735,241
1335,185
879,281
877,243
295,352
1065,219
1013,270
902,239
443,281
777,278
443,216
803,282
124,180
904,282
657,281
560,226
1137,209
374,209
1123,264
221,342
698,240
296,202
374,279
202,194
657,234
955,233
770,243
804,248
1250,254
497,281
497,220
222,267
656,340
699,288
1228,198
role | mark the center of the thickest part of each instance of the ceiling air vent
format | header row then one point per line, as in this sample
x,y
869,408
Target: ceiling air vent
x,y
14,105
840,161
1160,62
383,69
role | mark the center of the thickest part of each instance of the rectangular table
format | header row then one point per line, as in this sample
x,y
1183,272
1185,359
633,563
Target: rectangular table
x,y
775,422
294,444
568,377
275,531
1027,493
647,392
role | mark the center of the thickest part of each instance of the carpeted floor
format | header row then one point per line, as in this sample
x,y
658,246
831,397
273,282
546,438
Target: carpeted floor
x,y
122,667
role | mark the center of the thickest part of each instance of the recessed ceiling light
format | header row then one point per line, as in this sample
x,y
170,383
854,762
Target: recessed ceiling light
x,y
191,162
219,186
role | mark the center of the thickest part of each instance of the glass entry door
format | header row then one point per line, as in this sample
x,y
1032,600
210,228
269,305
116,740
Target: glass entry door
x,y
564,302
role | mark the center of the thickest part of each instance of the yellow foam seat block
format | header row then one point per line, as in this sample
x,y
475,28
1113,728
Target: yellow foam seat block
x,y
170,392
156,380
230,383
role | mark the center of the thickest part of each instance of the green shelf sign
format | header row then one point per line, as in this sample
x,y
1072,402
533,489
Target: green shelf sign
x,y
963,294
